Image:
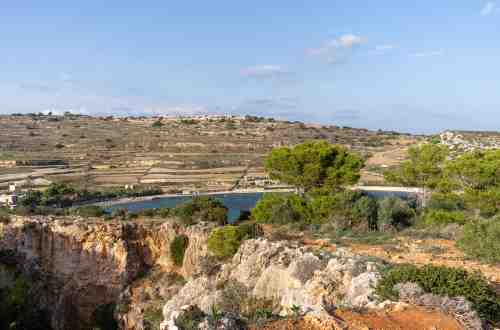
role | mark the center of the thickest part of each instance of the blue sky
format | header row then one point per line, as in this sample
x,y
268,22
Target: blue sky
x,y
419,66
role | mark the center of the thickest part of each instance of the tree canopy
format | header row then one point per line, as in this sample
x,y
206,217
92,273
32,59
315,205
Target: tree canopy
x,y
478,170
424,168
314,164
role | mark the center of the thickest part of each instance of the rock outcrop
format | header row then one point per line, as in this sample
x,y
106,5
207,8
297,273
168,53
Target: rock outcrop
x,y
79,265
289,275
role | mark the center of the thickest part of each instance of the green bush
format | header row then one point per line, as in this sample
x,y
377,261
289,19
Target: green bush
x,y
17,310
202,209
157,124
327,206
281,209
444,281
250,230
4,216
366,210
487,202
438,218
394,213
103,318
90,211
481,239
446,201
152,318
178,249
190,319
224,242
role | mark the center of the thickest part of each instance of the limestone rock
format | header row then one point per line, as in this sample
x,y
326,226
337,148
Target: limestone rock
x,y
289,275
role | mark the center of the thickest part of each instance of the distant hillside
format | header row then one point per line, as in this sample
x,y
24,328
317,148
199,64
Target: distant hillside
x,y
200,152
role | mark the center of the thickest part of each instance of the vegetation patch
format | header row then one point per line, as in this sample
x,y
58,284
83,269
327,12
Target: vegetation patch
x,y
103,317
202,209
481,239
90,211
153,316
18,312
4,216
444,281
224,242
439,218
394,213
178,249
190,319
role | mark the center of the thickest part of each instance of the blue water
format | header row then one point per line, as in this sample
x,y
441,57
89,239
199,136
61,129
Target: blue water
x,y
236,203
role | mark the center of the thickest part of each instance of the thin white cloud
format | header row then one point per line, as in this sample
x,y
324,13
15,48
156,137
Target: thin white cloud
x,y
337,50
488,8
347,41
264,71
350,40
428,53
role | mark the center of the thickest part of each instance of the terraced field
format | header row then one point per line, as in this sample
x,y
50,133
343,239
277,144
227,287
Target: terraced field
x,y
176,153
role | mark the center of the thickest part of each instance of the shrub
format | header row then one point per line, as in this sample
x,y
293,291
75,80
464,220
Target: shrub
x,y
394,213
18,311
190,319
178,248
446,201
444,281
281,209
337,207
103,317
157,124
4,216
224,242
487,202
438,218
152,318
480,239
90,211
250,230
202,208
366,210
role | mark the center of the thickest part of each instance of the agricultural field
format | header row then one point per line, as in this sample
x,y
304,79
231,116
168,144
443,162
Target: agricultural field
x,y
178,154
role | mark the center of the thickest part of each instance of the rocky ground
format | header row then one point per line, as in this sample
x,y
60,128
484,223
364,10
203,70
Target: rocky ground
x,y
300,284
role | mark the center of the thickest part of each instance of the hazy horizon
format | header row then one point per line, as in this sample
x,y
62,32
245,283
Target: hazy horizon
x,y
419,68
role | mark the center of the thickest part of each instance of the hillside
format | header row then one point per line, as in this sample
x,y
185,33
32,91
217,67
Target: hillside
x,y
196,153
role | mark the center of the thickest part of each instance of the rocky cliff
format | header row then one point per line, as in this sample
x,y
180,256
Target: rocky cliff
x,y
288,276
79,265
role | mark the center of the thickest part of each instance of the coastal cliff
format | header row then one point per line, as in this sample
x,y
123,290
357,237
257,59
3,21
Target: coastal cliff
x,y
78,266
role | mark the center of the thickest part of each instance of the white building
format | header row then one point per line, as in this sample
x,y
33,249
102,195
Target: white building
x,y
9,200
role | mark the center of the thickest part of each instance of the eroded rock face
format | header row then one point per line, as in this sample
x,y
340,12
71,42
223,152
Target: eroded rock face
x,y
287,274
79,265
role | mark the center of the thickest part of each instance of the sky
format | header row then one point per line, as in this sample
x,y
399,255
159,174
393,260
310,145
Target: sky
x,y
413,66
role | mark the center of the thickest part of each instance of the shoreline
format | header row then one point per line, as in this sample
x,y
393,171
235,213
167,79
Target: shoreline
x,y
127,200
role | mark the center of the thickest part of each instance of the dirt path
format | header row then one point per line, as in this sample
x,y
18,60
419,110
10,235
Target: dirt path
x,y
412,318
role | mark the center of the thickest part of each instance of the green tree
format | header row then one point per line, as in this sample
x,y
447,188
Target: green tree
x,y
366,209
424,168
479,171
394,213
478,175
314,164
